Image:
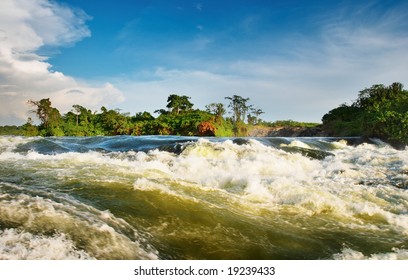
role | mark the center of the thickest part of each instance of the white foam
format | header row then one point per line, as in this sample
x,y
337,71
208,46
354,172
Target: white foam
x,y
297,143
350,254
263,176
9,143
354,187
341,144
20,245
98,232
253,171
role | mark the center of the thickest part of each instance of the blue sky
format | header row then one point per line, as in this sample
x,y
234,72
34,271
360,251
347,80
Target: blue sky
x,y
138,35
293,59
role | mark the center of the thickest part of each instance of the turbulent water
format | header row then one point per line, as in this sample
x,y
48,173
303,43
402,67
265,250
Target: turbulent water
x,y
190,198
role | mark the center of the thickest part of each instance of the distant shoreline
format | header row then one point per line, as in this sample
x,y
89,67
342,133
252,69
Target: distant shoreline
x,y
288,131
264,131
255,131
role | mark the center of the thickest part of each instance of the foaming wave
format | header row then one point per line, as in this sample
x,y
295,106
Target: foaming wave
x,y
98,233
352,194
263,176
10,143
350,254
20,245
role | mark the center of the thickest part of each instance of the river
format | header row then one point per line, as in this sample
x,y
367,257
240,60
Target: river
x,y
169,197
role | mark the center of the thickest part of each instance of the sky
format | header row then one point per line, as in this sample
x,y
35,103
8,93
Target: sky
x,y
293,59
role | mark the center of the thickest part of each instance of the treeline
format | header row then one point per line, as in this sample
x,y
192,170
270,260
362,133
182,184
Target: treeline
x,y
379,111
290,123
179,118
12,130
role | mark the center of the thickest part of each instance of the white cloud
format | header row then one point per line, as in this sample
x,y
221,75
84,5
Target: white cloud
x,y
316,74
301,90
25,27
206,87
311,75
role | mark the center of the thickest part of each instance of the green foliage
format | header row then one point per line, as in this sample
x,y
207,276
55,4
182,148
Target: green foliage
x,y
379,111
29,129
184,123
11,130
81,122
224,128
344,121
253,117
289,123
216,109
179,119
49,116
178,104
239,108
141,117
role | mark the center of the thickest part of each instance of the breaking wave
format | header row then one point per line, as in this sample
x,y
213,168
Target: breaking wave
x,y
202,198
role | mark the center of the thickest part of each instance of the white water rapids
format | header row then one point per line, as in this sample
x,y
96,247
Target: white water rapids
x,y
190,198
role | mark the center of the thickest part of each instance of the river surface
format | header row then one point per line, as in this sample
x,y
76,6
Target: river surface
x,y
202,198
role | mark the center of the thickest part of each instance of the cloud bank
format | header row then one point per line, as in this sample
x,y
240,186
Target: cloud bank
x,y
27,26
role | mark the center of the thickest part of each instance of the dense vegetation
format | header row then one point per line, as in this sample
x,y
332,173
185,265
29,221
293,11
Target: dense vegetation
x,y
12,130
179,118
290,123
379,111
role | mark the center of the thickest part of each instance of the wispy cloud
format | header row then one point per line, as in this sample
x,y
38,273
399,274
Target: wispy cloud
x,y
316,64
307,78
26,27
250,23
199,6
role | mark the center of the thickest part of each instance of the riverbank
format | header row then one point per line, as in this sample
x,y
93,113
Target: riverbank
x,y
317,131
288,131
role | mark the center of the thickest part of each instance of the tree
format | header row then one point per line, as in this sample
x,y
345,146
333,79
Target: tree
x,y
344,120
179,119
49,116
142,116
161,111
81,113
239,108
253,117
177,103
379,111
81,121
110,121
43,110
141,122
30,129
76,111
217,109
